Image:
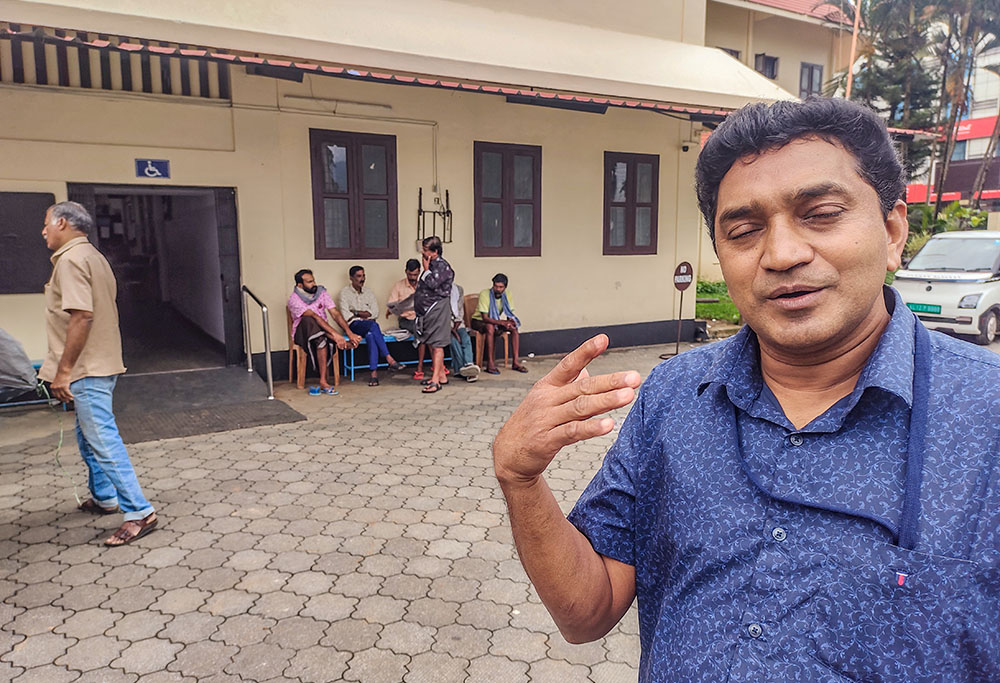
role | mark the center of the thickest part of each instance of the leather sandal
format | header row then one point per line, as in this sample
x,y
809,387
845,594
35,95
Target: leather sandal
x,y
91,506
132,530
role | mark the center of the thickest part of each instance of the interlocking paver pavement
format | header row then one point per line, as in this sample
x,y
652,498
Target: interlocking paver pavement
x,y
369,543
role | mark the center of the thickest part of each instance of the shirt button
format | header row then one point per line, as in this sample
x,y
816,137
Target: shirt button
x,y
795,439
755,630
778,534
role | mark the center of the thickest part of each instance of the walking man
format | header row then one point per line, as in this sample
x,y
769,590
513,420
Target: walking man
x,y
83,364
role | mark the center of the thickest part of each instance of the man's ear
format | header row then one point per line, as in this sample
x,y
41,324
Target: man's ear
x,y
897,229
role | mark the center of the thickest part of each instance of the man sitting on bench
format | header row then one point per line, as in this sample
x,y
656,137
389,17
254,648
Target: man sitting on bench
x,y
309,305
361,310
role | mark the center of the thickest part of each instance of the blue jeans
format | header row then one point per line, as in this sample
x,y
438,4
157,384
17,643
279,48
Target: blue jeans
x,y
111,479
372,333
461,350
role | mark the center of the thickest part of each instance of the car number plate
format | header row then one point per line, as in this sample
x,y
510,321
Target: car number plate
x,y
924,308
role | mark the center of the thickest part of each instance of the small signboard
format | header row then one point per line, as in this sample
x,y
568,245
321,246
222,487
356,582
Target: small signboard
x,y
152,168
683,276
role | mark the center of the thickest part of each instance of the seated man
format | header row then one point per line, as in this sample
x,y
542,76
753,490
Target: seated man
x,y
493,303
309,304
461,346
401,302
361,309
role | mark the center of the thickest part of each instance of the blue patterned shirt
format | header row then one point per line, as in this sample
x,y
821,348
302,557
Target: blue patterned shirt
x,y
776,560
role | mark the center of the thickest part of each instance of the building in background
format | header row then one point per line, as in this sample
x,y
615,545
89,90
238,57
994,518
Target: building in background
x,y
223,144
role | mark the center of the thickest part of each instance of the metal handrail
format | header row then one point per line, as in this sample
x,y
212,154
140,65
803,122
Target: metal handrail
x,y
244,291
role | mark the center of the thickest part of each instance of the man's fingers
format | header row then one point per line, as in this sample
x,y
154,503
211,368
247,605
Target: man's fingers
x,y
575,361
587,385
572,432
587,406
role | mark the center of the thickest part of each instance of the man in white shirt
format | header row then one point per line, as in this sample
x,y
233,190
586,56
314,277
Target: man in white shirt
x,y
360,308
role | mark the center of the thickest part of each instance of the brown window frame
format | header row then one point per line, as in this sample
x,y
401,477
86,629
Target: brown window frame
x,y
507,200
631,204
815,82
766,65
355,196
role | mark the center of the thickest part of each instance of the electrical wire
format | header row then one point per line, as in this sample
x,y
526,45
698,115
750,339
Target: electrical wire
x,y
62,431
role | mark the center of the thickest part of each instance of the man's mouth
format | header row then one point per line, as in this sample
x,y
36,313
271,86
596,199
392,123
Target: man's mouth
x,y
795,297
792,292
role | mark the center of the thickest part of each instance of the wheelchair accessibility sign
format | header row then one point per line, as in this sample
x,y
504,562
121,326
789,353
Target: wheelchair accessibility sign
x,y
152,168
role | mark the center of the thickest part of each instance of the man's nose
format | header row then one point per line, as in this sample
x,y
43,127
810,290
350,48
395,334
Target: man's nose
x,y
785,246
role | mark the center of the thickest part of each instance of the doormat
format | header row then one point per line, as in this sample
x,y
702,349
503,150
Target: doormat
x,y
137,426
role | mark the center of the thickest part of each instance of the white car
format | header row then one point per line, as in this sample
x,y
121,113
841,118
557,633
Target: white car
x,y
953,283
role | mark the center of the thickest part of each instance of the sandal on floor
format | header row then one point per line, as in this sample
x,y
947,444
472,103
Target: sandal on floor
x,y
431,388
130,531
329,392
520,368
428,381
315,391
419,374
492,371
373,382
396,367
91,506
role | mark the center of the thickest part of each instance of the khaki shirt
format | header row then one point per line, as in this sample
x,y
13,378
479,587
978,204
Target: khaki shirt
x,y
351,300
82,281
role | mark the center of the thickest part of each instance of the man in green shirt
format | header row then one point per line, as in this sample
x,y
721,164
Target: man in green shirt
x,y
495,315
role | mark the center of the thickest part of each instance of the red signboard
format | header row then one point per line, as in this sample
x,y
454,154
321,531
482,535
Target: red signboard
x,y
970,129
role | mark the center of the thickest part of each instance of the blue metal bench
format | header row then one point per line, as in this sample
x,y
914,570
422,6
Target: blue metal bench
x,y
350,365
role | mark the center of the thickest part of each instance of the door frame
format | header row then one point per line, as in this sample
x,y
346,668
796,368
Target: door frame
x,y
227,229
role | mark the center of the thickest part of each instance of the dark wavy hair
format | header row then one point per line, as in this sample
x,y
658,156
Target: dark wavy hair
x,y
758,128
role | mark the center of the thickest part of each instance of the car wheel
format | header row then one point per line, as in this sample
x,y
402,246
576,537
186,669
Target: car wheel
x,y
988,327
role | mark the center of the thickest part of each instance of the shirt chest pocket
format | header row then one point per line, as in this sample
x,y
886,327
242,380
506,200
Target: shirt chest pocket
x,y
889,614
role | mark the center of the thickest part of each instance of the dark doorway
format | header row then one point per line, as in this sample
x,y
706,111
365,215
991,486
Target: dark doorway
x,y
175,255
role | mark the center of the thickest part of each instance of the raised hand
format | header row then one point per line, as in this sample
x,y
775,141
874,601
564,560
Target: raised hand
x,y
561,409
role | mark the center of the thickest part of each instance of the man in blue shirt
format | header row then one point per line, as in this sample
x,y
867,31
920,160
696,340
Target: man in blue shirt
x,y
814,499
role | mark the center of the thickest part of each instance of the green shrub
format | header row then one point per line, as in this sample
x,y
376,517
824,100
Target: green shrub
x,y
724,310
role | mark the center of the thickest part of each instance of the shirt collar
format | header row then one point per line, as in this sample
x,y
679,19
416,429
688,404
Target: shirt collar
x,y
66,247
890,367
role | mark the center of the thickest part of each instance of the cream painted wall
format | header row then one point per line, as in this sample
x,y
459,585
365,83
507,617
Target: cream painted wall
x,y
792,41
260,147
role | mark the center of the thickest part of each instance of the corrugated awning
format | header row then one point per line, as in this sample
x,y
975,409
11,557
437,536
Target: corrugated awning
x,y
435,42
356,73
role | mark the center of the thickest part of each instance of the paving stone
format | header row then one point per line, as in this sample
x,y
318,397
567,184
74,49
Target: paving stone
x,y
376,666
146,656
586,654
454,589
107,675
203,659
462,641
48,673
278,605
329,607
433,667
490,668
261,581
380,609
90,622
357,585
403,637
39,620
622,648
309,583
127,575
132,599
38,650
555,670
297,633
169,578
38,595
139,625
612,672
260,662
351,635
244,630
318,665
92,653
84,597
180,600
518,645
483,614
